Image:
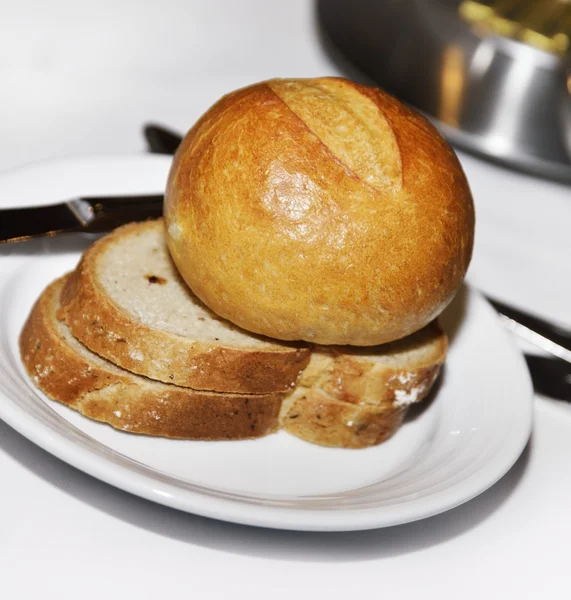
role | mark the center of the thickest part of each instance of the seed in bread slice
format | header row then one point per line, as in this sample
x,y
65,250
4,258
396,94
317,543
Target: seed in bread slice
x,y
127,302
354,398
70,373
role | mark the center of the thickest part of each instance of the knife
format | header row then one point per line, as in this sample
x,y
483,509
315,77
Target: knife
x,y
89,215
161,140
551,377
546,335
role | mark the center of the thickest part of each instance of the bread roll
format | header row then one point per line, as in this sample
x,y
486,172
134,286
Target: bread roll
x,y
319,210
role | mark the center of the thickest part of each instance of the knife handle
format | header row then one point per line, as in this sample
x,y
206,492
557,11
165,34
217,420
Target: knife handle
x,y
102,214
161,140
551,377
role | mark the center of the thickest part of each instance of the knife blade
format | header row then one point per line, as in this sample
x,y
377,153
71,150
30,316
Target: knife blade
x,y
548,336
89,214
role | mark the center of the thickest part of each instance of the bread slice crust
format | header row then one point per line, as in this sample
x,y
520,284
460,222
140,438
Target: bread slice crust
x,y
400,372
76,377
317,417
353,400
119,336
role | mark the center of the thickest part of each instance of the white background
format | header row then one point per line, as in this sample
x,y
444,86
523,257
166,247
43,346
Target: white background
x,y
82,78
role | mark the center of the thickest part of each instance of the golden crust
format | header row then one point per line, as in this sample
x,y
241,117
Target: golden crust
x,y
129,402
111,332
346,224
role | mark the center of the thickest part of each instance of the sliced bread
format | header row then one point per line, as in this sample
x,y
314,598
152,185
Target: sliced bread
x,y
70,373
127,302
344,398
356,398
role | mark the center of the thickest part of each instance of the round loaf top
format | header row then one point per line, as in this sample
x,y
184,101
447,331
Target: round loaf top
x,y
319,210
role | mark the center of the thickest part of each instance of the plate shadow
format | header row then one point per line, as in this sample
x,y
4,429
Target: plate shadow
x,y
258,542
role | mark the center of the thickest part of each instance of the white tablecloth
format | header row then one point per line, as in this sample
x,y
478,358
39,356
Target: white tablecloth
x,y
81,78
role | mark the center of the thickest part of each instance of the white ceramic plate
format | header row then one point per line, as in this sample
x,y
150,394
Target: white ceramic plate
x,y
449,451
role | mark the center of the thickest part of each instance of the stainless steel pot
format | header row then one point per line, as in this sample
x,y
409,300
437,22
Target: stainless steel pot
x,y
503,98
